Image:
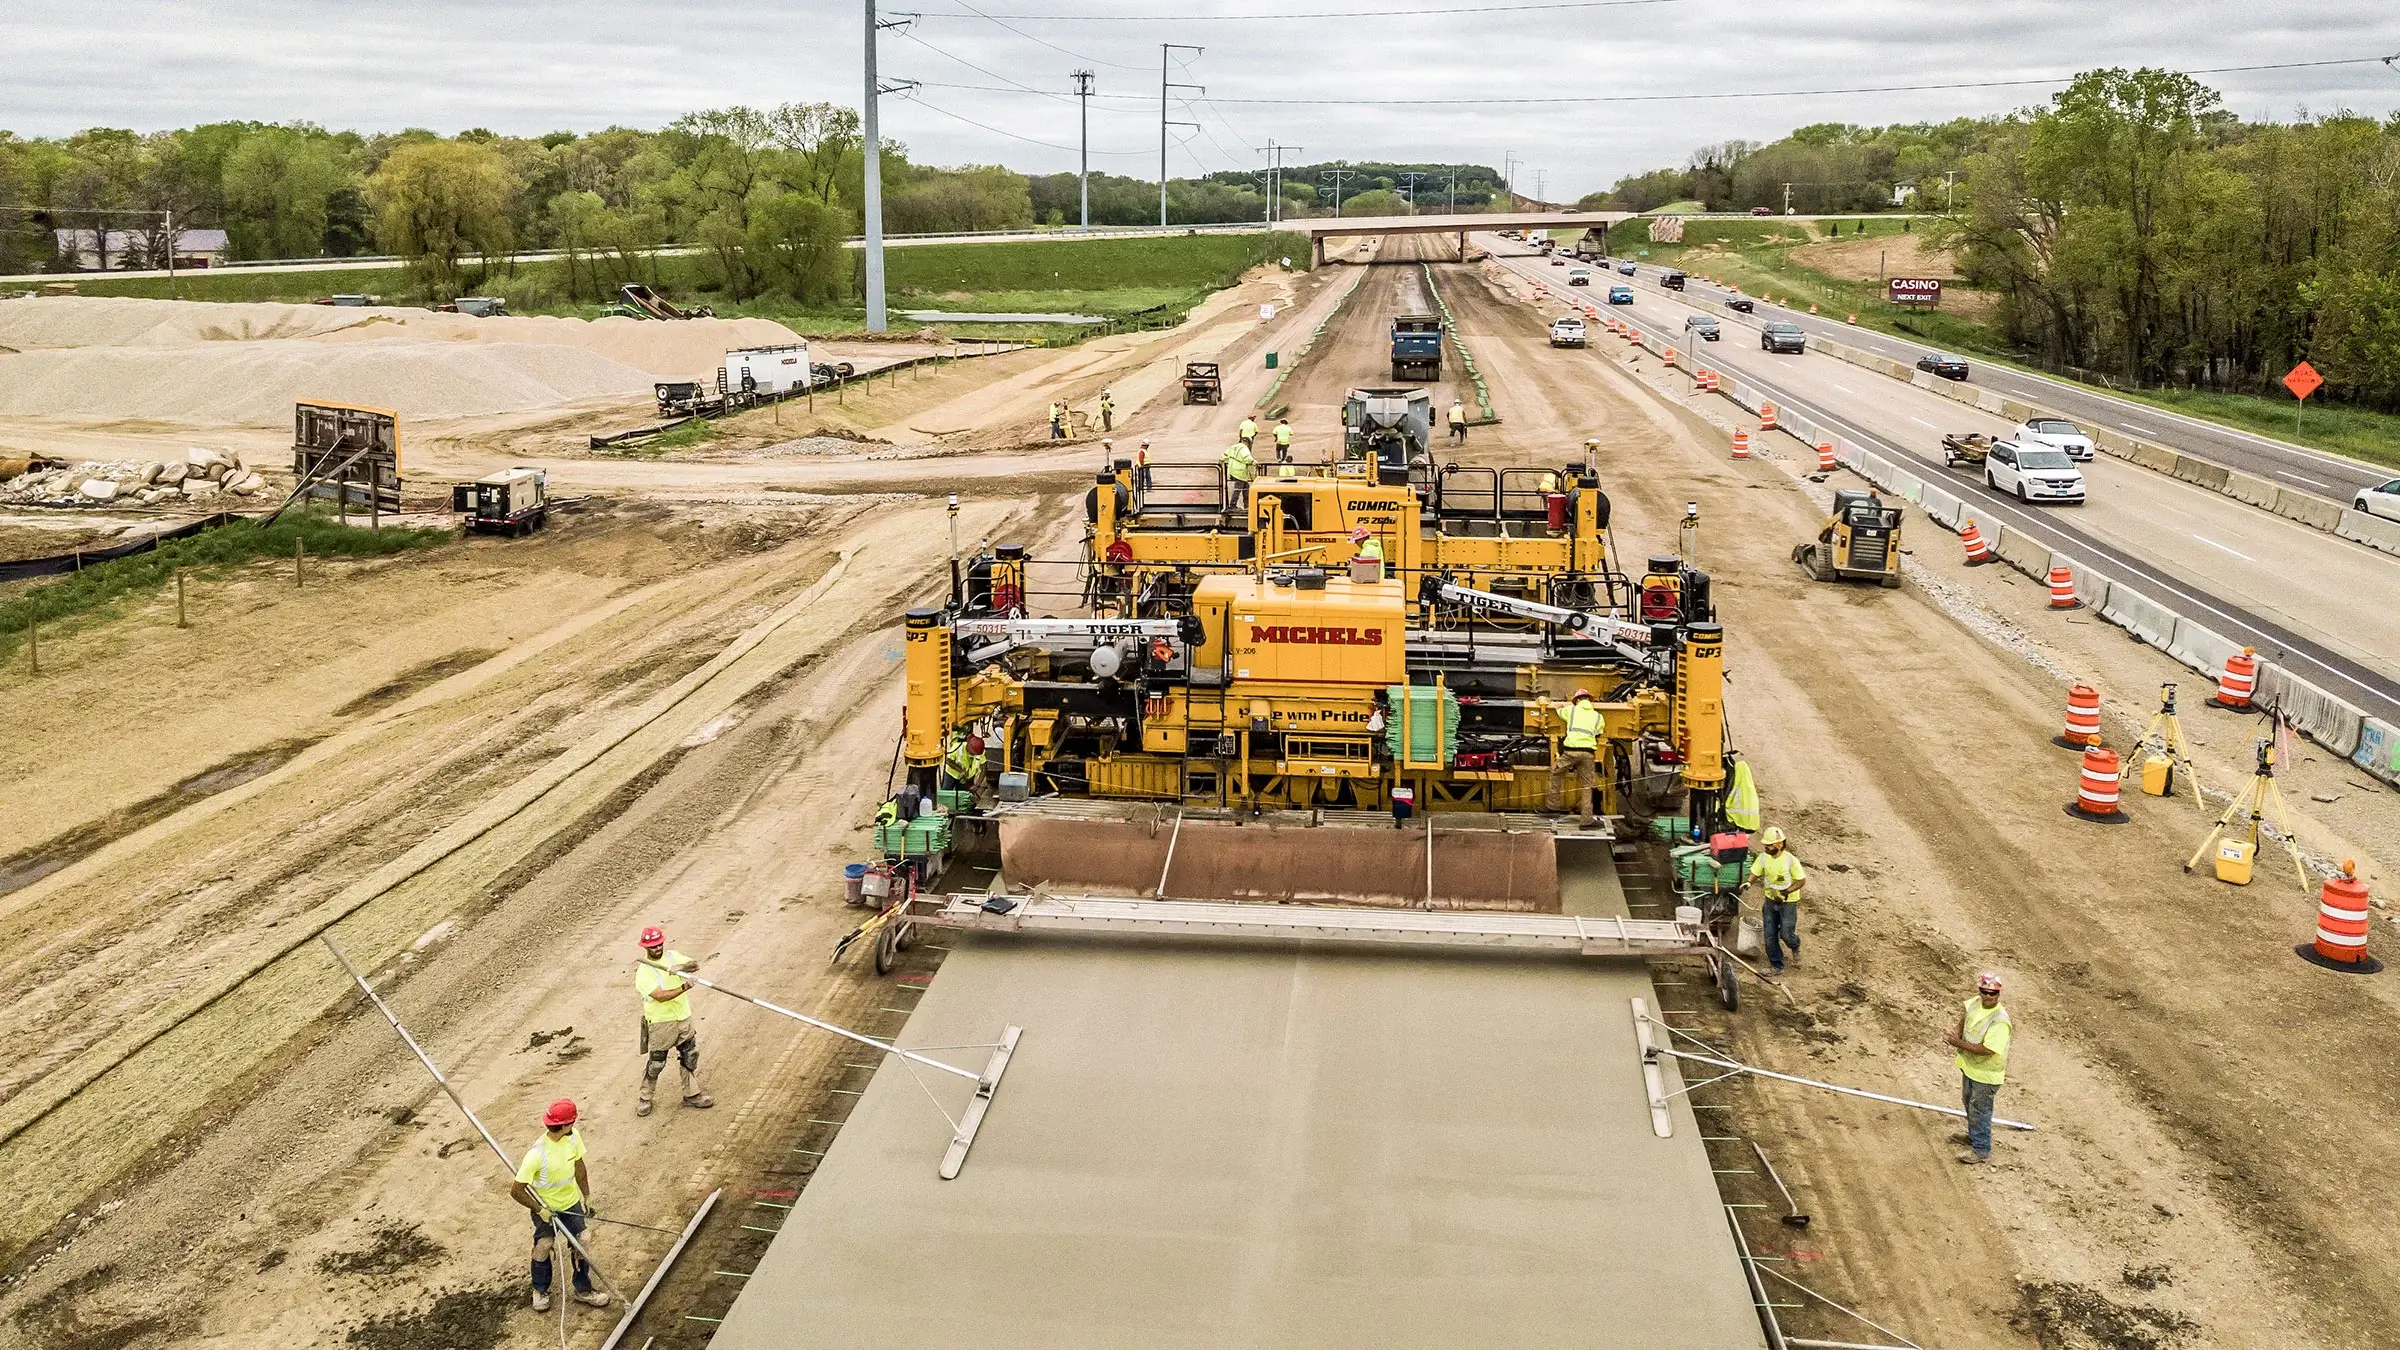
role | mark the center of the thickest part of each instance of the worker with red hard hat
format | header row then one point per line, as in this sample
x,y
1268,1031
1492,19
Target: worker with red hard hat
x,y
553,1185
1981,1039
667,1020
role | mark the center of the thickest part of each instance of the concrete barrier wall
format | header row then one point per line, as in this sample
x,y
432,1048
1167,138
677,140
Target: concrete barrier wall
x,y
1942,506
1991,403
2373,531
2139,615
2211,476
2307,508
2327,720
2156,457
2252,489
2378,749
2202,649
1906,484
2023,553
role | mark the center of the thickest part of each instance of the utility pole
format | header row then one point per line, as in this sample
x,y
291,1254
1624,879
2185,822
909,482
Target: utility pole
x,y
1412,176
1274,155
1337,175
1083,170
1454,189
1508,177
1541,186
1950,180
873,202
1165,49
1787,199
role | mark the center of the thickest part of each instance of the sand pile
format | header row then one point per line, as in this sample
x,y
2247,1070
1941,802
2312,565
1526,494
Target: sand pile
x,y
244,364
256,383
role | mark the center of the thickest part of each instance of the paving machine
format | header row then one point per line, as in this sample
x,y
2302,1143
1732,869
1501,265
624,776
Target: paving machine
x,y
1861,542
1241,718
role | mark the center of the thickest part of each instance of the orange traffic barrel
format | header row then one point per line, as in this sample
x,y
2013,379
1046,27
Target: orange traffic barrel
x,y
1979,551
1669,357
1766,417
2239,681
2341,941
1853,318
2062,589
1741,445
2083,719
2096,790
1825,460
1812,309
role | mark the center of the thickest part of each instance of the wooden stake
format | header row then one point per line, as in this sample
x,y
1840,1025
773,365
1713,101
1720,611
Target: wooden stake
x,y
299,557
179,620
33,642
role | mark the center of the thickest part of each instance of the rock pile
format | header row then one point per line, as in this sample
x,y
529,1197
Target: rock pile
x,y
201,474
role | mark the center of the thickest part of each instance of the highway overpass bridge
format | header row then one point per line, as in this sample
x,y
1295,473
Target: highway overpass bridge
x,y
1319,230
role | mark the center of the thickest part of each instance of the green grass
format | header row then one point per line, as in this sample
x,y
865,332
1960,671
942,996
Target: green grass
x,y
2356,432
695,432
1114,279
96,592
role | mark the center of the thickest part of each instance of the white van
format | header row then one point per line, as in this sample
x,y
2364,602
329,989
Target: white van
x,y
2035,473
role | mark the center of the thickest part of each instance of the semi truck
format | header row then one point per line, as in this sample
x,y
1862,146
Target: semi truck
x,y
1417,347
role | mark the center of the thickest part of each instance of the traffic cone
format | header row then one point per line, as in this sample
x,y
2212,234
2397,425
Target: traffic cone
x,y
2239,681
2062,589
1741,445
1825,460
1854,319
2341,941
2096,789
1812,309
2083,719
1669,358
1978,551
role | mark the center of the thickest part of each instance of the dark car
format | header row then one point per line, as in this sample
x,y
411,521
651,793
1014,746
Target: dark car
x,y
1556,261
1762,210
1673,281
1944,364
1781,336
1740,304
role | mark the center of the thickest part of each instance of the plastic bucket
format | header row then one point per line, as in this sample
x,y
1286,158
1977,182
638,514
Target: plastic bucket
x,y
854,878
875,885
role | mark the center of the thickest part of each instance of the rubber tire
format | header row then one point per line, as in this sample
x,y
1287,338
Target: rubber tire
x,y
1990,482
2022,499
1891,582
886,952
1729,989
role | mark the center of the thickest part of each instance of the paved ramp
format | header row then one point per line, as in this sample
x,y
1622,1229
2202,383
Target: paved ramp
x,y
1207,1147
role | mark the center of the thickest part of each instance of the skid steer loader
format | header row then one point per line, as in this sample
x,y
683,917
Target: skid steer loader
x,y
1860,543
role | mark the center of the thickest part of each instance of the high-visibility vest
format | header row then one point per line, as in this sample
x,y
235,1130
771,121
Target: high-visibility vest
x,y
1583,726
1992,1029
1549,483
1238,463
649,979
1741,798
1283,436
1249,428
1458,414
1372,548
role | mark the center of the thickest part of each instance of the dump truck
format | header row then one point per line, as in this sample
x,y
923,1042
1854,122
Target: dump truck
x,y
1388,428
1417,347
512,501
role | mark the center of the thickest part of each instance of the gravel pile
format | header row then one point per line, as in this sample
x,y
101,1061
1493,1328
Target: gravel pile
x,y
200,475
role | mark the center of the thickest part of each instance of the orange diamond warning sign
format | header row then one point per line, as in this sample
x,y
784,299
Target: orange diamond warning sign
x,y
2303,380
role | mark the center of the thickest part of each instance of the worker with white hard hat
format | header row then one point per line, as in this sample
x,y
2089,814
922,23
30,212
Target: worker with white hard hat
x,y
553,1185
1782,878
1981,1040
667,1019
1108,411
1579,750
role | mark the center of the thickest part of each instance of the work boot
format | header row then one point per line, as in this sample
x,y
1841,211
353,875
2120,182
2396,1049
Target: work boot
x,y
642,1107
1959,1138
693,1095
541,1300
592,1298
1970,1156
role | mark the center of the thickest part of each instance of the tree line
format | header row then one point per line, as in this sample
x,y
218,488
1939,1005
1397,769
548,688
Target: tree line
x,y
2134,229
767,196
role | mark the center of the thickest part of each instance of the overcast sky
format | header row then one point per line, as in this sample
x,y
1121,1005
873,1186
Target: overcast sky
x,y
528,66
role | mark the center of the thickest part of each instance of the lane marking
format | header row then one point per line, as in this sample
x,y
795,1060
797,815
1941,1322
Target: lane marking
x,y
2234,551
1921,421
2297,478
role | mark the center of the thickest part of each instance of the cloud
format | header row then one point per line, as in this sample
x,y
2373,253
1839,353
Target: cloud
x,y
529,66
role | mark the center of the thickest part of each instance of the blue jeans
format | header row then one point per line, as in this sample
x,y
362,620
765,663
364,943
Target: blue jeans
x,y
1779,924
572,1221
1979,1098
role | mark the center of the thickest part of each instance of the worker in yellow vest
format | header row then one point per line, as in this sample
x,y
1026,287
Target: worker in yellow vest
x,y
965,760
1058,421
1239,465
667,1019
1782,877
1364,544
1458,421
1108,411
1981,1039
1141,465
1249,432
1579,749
554,1186
1283,440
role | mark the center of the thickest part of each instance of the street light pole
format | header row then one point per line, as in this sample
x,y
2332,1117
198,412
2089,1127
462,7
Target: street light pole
x,y
872,204
1164,49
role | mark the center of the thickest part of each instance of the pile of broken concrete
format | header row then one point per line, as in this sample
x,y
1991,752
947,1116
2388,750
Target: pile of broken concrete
x,y
202,474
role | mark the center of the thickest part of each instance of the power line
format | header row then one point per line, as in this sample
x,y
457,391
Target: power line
x,y
997,18
1063,98
1047,145
1725,94
1317,14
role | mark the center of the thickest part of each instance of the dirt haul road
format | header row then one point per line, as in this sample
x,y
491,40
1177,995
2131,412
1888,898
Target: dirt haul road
x,y
2196,1180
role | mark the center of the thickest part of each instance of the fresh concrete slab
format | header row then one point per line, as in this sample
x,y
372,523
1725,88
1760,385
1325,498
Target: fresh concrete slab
x,y
1209,1147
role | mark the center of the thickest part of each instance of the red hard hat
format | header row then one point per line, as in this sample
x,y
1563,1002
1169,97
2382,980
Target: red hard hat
x,y
1362,532
561,1112
1582,693
654,936
974,745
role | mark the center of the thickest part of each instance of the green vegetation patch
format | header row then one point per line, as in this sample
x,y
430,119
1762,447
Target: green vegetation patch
x,y
2336,428
97,590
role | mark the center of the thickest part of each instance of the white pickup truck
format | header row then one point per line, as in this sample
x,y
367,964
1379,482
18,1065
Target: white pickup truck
x,y
1567,332
2058,434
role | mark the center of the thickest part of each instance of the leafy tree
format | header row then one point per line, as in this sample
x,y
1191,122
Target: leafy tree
x,y
279,184
439,203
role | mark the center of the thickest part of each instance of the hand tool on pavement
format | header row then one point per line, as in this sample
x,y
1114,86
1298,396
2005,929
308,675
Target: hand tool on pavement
x,y
1791,1208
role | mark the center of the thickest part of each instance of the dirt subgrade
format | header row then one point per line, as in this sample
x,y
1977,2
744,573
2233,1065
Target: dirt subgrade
x,y
2189,1074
